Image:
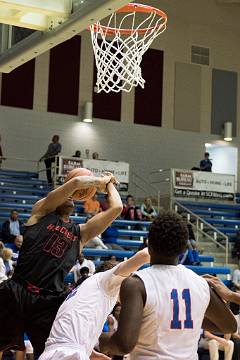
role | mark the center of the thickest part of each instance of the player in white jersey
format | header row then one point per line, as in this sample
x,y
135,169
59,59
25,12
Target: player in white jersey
x,y
163,306
80,319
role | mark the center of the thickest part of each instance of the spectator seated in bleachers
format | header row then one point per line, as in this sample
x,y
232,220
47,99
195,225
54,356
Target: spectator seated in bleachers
x,y
113,260
77,154
190,257
214,343
130,210
82,262
84,274
96,242
12,228
104,203
15,246
92,206
95,155
6,266
147,209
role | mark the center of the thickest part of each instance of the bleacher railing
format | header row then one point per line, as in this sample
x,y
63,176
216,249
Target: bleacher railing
x,y
204,228
15,163
142,188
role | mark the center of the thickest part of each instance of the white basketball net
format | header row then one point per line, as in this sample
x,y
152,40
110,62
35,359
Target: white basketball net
x,y
118,55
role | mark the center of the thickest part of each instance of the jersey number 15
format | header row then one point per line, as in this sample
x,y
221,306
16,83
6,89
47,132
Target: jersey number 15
x,y
176,323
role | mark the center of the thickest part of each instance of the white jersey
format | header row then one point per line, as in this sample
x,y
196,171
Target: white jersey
x,y
80,319
176,302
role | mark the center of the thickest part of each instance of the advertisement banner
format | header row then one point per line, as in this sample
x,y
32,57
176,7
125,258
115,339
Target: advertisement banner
x,y
117,168
200,184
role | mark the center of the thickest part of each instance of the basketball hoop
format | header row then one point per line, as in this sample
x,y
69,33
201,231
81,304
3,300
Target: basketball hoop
x,y
120,43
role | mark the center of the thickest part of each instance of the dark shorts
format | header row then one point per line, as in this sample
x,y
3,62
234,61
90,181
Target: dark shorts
x,y
22,311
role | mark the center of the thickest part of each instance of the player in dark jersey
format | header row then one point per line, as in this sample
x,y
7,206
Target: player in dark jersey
x,y
52,242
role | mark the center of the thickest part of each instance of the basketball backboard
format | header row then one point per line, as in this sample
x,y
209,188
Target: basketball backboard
x,y
28,28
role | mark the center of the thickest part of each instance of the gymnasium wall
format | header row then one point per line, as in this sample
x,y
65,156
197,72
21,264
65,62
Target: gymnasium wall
x,y
146,148
182,125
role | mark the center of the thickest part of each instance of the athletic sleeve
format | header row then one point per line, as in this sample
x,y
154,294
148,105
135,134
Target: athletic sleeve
x,y
109,282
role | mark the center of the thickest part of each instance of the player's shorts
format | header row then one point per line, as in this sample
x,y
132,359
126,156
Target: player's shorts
x,y
64,352
25,312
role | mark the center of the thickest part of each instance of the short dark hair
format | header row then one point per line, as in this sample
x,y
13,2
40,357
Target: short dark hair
x,y
206,154
168,234
129,196
84,269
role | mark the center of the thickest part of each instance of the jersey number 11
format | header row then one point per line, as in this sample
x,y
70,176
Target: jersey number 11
x,y
176,323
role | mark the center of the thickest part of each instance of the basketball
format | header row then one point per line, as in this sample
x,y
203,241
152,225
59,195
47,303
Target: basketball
x,y
84,194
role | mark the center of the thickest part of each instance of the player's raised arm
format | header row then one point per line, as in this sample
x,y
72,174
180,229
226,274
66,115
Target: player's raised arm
x,y
218,318
97,224
133,298
127,267
58,196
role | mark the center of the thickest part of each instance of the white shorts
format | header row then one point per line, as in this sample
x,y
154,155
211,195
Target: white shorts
x,y
64,353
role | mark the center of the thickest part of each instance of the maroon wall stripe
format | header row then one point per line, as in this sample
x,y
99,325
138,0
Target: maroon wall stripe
x,y
64,70
106,106
18,86
148,101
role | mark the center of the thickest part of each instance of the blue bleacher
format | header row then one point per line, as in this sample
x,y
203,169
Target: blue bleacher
x,y
196,204
121,254
208,213
21,190
200,270
227,222
18,174
131,223
16,206
25,182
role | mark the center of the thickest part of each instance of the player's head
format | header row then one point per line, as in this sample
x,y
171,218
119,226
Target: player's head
x,y
206,155
168,236
66,208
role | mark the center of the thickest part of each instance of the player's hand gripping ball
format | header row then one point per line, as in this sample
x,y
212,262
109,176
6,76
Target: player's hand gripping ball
x,y
83,194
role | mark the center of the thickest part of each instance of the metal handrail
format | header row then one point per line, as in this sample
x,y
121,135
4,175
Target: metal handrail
x,y
15,158
6,158
143,180
200,220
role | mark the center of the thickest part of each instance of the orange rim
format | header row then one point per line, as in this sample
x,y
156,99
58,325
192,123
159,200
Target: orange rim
x,y
133,7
